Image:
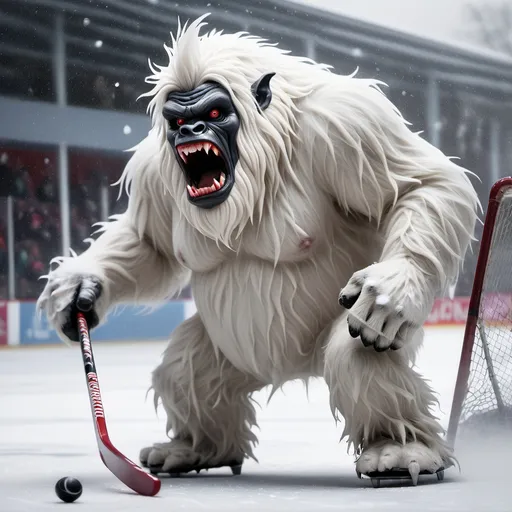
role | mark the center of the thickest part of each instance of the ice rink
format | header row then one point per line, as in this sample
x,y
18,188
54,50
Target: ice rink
x,y
46,432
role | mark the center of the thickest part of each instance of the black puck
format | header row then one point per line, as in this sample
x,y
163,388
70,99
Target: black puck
x,y
68,489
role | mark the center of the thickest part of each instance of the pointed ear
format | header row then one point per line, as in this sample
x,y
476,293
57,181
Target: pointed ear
x,y
261,90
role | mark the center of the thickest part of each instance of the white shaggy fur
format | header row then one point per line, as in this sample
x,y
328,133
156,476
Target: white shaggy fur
x,y
332,190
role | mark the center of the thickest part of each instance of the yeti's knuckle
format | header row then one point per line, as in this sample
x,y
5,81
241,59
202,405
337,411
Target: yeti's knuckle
x,y
359,276
371,285
382,301
371,289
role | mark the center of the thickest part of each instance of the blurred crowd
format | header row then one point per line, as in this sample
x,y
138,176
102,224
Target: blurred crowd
x,y
37,223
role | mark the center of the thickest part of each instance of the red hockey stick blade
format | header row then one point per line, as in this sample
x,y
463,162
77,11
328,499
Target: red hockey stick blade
x,y
123,468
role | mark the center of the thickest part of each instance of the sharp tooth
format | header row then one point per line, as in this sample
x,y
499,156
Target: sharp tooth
x,y
190,191
212,188
215,150
182,155
222,179
185,150
207,147
216,183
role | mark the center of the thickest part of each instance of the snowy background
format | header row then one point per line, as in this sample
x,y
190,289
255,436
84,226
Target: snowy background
x,y
70,73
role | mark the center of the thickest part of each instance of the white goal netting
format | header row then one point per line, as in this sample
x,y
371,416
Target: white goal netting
x,y
488,398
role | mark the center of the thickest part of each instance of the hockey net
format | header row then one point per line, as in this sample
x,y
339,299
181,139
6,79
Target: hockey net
x,y
483,391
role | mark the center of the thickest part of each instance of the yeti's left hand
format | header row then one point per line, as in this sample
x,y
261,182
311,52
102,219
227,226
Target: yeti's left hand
x,y
388,302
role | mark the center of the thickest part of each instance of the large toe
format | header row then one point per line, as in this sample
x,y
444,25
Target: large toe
x,y
427,459
389,456
369,459
144,455
168,456
157,456
180,458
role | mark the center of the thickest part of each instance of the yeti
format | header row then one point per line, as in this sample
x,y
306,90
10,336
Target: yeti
x,y
315,229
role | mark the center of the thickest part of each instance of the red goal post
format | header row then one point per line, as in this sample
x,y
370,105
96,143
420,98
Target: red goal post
x,y
483,389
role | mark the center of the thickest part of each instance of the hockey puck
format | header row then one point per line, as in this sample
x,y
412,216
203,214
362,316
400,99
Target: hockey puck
x,y
68,489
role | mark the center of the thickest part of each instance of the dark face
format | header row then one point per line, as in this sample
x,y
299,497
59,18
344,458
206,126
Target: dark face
x,y
202,130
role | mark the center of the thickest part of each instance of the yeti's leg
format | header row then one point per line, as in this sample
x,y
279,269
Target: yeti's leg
x,y
385,405
207,402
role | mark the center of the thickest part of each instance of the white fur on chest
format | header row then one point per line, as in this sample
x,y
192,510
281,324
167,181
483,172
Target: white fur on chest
x,y
266,319
265,301
290,235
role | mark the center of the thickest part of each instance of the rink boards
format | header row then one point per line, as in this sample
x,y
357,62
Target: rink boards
x,y
21,325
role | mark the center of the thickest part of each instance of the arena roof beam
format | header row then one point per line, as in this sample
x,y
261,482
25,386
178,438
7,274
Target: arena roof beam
x,y
13,21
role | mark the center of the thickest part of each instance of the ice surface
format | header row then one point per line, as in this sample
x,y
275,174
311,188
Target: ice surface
x,y
46,433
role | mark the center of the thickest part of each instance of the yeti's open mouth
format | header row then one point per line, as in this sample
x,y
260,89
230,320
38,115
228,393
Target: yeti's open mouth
x,y
204,167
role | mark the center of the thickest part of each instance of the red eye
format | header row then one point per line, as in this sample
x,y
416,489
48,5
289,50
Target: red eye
x,y
180,121
214,114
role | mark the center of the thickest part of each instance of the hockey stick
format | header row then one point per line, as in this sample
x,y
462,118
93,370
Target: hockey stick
x,y
123,468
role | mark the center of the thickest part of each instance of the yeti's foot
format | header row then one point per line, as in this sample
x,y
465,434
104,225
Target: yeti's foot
x,y
177,457
388,460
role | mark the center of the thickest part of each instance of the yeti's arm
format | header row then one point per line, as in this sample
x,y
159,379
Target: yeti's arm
x,y
373,164
422,204
131,261
131,266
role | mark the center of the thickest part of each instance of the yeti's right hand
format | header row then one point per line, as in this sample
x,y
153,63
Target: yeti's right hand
x,y
68,293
